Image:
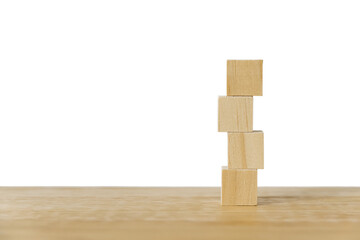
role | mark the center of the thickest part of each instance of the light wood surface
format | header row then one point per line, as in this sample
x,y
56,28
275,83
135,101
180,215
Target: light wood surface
x,y
244,77
246,150
177,213
239,186
235,114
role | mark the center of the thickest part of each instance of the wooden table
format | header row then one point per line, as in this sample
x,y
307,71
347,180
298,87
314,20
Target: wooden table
x,y
177,213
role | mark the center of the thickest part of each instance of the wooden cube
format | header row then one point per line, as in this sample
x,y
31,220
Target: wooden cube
x,y
246,150
244,77
239,186
235,114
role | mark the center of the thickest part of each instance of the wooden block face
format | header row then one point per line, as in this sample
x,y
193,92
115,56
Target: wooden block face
x,y
244,77
239,187
246,150
235,114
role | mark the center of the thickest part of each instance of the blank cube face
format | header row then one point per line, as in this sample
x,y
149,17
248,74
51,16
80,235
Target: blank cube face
x,y
235,114
246,150
244,77
239,186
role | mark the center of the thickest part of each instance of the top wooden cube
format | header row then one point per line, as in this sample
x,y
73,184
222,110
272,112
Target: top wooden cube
x,y
244,77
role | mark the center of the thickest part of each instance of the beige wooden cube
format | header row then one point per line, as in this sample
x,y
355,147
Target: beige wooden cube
x,y
246,150
239,186
244,77
235,114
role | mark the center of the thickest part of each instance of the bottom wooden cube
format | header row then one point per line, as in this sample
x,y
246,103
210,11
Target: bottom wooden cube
x,y
239,186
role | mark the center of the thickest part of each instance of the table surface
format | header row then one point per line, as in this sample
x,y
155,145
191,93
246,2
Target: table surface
x,y
177,213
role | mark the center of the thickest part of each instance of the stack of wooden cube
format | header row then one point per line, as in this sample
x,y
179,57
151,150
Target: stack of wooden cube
x,y
245,146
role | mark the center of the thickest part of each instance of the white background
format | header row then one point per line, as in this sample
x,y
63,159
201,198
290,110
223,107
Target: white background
x,y
125,93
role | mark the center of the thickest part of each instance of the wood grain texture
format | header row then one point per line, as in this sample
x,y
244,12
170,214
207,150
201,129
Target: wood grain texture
x,y
177,213
235,114
246,150
244,77
238,186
